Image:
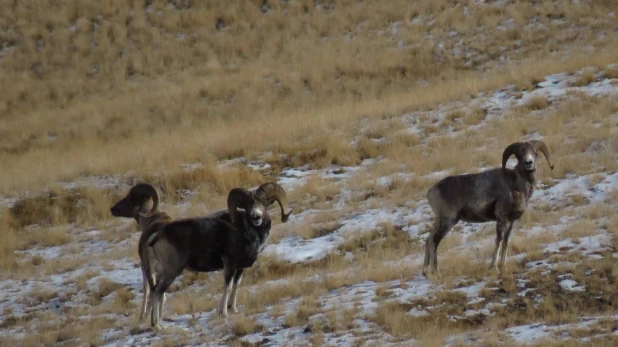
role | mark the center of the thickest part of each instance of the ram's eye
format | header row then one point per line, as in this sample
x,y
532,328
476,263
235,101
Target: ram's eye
x,y
271,201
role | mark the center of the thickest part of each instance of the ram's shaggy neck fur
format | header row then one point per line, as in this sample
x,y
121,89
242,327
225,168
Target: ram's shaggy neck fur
x,y
251,242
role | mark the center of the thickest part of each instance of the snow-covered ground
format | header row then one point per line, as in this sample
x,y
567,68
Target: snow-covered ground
x,y
58,293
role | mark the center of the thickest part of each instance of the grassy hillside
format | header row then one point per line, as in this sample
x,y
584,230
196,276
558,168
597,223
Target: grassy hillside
x,y
356,108
98,87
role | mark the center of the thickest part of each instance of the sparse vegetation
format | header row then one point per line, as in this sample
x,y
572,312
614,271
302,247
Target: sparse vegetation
x,y
245,325
538,103
380,99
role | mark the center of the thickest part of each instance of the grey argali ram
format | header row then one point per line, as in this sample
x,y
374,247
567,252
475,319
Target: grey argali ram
x,y
499,195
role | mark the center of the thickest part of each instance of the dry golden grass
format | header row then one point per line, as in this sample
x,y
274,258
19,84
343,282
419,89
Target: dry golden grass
x,y
105,287
538,103
10,243
196,89
122,300
557,307
587,77
61,206
316,193
243,325
396,321
579,229
529,244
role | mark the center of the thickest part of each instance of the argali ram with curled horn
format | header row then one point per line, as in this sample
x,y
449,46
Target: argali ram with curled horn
x,y
499,195
228,240
133,205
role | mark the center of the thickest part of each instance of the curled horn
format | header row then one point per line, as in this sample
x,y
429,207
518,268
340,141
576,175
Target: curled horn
x,y
268,191
541,146
238,197
149,191
509,151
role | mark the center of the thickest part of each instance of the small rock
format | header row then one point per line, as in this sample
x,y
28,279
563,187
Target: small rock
x,y
56,305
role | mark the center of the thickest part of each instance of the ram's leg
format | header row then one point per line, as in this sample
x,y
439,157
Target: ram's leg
x,y
505,247
152,308
163,283
146,294
163,298
237,279
156,319
445,226
441,228
150,302
501,227
228,274
429,246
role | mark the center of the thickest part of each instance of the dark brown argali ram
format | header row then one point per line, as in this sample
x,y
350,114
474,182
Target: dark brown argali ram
x,y
499,195
226,240
134,206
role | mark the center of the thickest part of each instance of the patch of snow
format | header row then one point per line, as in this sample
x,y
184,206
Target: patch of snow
x,y
571,286
418,313
295,249
472,291
531,333
483,311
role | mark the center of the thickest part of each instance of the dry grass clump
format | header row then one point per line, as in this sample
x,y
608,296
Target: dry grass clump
x,y
537,103
314,191
10,241
42,237
584,79
307,307
474,117
394,317
579,229
62,206
367,148
522,243
81,281
189,301
387,238
274,293
243,325
313,231
455,264
105,288
611,73
122,300
45,209
209,178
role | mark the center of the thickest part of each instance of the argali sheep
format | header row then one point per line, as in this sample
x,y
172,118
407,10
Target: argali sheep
x,y
499,195
227,240
133,205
